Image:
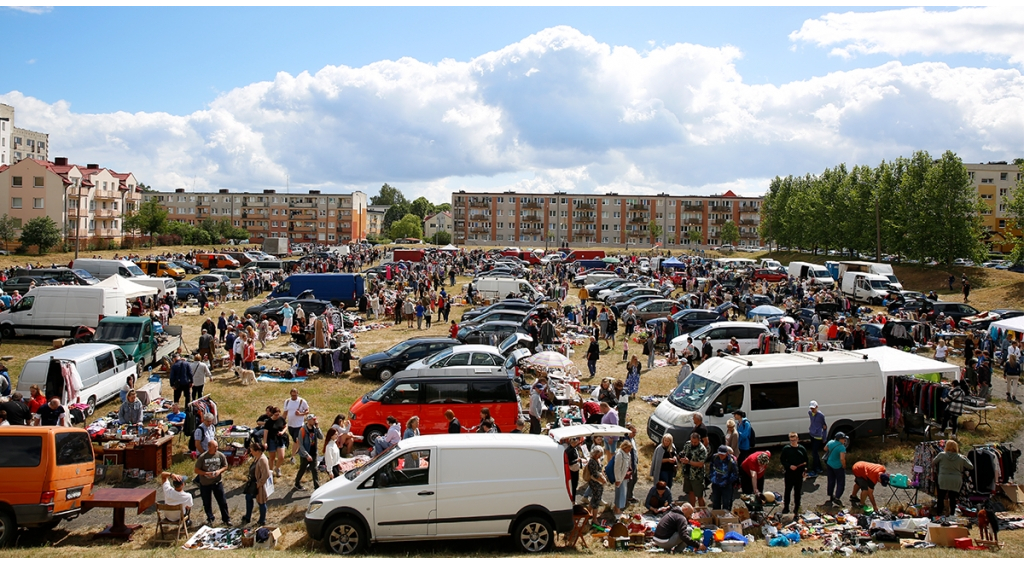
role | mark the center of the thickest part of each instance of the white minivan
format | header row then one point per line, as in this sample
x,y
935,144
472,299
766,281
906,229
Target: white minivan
x,y
455,486
105,268
816,274
497,289
775,390
747,334
104,369
58,311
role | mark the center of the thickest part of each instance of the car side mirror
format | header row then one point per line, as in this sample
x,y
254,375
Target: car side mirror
x,y
717,409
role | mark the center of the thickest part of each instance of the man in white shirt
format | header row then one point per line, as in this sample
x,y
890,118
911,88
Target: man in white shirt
x,y
175,494
1013,350
239,348
295,411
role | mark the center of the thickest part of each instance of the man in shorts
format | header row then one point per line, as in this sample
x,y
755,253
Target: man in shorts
x,y
691,463
295,411
865,476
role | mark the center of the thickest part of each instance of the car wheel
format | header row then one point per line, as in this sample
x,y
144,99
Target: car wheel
x,y
91,406
7,332
8,529
372,433
386,374
533,534
344,537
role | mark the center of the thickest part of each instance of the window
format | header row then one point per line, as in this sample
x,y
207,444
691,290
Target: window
x,y
403,394
73,448
1002,176
457,392
16,203
411,469
37,181
20,452
492,392
731,399
16,181
484,359
776,395
37,203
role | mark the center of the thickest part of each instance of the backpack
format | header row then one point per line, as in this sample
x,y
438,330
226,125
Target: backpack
x,y
609,469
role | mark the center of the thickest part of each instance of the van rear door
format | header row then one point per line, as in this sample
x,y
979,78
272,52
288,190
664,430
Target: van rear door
x,y
22,466
72,475
404,498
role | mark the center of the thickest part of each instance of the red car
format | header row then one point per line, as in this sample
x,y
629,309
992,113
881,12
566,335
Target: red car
x,y
770,275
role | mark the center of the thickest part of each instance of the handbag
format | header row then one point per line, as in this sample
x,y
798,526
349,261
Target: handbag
x,y
586,476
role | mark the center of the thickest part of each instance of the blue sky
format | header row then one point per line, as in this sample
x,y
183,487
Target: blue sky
x,y
627,99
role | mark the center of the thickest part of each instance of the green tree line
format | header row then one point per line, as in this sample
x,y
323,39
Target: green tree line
x,y
918,208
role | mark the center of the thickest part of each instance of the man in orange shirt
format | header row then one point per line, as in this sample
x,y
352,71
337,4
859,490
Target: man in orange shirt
x,y
865,477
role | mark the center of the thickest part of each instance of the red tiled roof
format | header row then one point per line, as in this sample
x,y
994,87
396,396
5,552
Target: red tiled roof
x,y
729,194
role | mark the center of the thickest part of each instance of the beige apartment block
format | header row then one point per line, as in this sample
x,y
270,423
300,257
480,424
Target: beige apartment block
x,y
17,143
440,221
601,220
995,182
314,217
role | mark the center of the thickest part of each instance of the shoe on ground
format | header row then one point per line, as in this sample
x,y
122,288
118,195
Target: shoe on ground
x,y
812,474
188,523
785,509
300,487
227,523
854,499
209,522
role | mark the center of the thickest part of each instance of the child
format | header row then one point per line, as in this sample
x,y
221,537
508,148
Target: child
x,y
625,349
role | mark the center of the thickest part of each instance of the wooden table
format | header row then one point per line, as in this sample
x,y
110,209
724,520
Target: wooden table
x,y
154,457
120,499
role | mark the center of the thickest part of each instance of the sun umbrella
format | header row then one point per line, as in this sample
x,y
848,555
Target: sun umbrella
x,y
550,359
611,260
787,319
765,311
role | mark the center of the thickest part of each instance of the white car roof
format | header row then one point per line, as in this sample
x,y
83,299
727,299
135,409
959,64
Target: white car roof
x,y
475,348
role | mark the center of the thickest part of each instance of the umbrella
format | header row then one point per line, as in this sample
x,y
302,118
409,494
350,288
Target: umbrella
x,y
550,359
787,319
764,311
611,260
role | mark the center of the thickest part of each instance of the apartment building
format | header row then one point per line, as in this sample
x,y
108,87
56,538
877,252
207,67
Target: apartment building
x,y
306,218
17,143
440,221
995,182
606,220
375,220
88,202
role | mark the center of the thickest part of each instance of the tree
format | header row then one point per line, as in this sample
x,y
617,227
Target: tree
x,y
1015,207
442,238
42,232
7,229
388,196
729,233
409,227
421,207
152,218
950,214
655,231
446,207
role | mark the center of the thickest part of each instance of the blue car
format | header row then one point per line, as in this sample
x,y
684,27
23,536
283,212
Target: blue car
x,y
187,289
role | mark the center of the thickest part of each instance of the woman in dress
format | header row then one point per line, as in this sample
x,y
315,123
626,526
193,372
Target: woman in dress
x,y
664,461
732,438
633,376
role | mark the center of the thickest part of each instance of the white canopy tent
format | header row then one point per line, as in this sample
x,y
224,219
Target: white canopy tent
x,y
449,247
130,289
1012,324
895,362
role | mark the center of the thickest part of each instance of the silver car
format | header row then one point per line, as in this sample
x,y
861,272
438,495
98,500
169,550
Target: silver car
x,y
462,360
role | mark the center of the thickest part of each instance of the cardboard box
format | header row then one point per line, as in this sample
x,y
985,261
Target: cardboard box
x,y
271,542
733,527
945,536
741,512
1014,492
723,517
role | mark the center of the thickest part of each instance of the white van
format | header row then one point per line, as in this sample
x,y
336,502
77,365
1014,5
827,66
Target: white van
x,y
878,268
58,311
163,285
775,390
497,289
105,268
864,287
816,273
104,370
769,263
746,332
449,486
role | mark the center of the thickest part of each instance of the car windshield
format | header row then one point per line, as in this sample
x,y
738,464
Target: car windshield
x,y
438,357
356,472
693,392
892,278
136,271
879,284
377,394
820,273
85,275
117,333
400,348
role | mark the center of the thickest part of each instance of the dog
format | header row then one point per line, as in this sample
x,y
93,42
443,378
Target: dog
x,y
248,377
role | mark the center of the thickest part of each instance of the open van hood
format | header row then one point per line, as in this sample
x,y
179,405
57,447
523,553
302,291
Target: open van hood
x,y
580,431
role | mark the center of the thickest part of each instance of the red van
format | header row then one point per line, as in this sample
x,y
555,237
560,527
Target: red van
x,y
582,254
429,397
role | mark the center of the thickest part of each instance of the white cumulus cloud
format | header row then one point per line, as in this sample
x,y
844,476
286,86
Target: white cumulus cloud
x,y
994,31
556,111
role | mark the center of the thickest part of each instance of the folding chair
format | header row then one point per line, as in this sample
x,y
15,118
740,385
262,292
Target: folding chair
x,y
581,524
171,518
916,424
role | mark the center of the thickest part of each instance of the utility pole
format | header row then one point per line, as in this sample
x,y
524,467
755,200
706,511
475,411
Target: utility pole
x,y
878,232
78,215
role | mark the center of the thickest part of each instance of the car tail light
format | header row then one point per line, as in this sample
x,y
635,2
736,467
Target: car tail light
x,y
568,476
882,340
46,498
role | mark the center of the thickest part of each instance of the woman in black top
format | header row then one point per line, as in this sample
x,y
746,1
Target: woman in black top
x,y
593,355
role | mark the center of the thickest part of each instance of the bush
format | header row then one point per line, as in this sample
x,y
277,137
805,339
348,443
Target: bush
x,y
168,240
21,250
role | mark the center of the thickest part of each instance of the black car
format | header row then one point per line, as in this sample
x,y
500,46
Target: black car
x,y
955,310
384,365
269,305
508,305
23,283
686,321
317,307
482,334
188,267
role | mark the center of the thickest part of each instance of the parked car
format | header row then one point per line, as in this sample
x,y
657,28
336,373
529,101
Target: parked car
x,y
269,305
488,333
632,293
188,267
653,309
385,364
498,315
317,307
23,283
461,360
720,333
621,307
955,310
514,305
187,289
771,274
687,320
211,280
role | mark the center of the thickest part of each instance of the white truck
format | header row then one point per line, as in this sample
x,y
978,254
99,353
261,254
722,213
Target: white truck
x,y
865,287
277,246
817,274
878,268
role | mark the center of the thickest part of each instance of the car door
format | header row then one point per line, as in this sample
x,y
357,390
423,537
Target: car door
x,y
455,365
123,368
404,500
748,338
485,364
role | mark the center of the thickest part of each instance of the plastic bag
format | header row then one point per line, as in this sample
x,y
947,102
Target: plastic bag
x,y
779,541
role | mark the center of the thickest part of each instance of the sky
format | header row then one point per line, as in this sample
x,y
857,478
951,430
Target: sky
x,y
682,100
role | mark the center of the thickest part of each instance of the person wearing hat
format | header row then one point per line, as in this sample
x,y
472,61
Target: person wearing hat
x,y
307,449
752,472
835,465
794,465
865,476
818,431
724,475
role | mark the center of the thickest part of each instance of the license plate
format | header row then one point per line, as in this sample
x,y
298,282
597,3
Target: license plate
x,y
73,494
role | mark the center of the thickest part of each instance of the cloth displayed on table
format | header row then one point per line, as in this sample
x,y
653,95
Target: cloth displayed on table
x,y
208,538
278,379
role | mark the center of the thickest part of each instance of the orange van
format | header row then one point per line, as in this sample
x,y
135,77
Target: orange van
x,y
210,261
45,473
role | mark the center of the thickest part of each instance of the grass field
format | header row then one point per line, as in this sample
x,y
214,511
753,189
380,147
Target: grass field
x,y
332,395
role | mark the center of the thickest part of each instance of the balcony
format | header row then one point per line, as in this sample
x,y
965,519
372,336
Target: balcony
x,y
719,221
697,207
108,232
531,231
106,213
720,208
105,195
749,222
532,206
692,221
301,204
638,207
479,229
748,235
584,219
531,218
582,206
298,228
638,219
480,217
479,204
